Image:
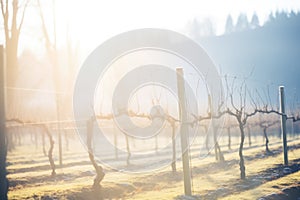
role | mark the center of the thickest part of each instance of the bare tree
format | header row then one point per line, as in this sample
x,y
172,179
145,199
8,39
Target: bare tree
x,y
216,114
205,127
3,149
240,112
50,151
229,137
228,128
172,121
13,13
98,168
127,149
264,124
44,129
53,57
110,117
43,144
211,116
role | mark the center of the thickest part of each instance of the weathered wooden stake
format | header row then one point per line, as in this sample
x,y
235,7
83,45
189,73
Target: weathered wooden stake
x,y
173,165
283,124
3,149
184,133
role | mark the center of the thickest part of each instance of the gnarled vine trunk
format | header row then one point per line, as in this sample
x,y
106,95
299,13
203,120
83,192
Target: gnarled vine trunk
x,y
99,170
267,140
242,162
50,151
128,149
229,138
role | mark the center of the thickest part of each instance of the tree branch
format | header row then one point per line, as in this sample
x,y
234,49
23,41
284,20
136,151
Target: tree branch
x,y
2,9
45,32
23,15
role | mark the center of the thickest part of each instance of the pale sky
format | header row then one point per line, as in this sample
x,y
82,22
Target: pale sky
x,y
92,22
102,20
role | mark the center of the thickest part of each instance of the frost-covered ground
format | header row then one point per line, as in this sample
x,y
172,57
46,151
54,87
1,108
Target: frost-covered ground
x,y
29,173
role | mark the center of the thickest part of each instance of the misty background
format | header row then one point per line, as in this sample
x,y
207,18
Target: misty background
x,y
256,41
267,55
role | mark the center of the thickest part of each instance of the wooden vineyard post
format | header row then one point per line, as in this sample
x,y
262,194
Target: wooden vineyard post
x,y
3,149
184,133
173,165
283,124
